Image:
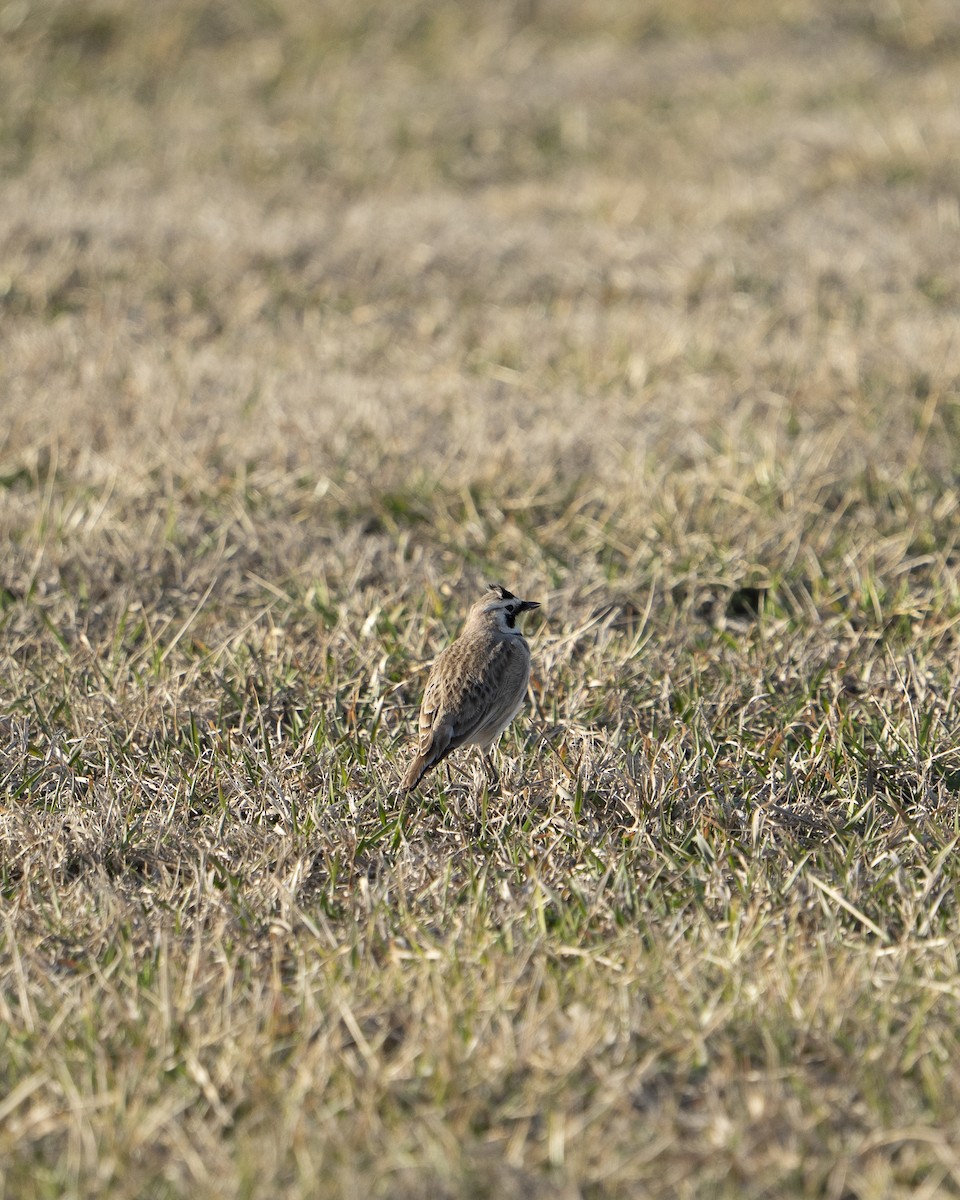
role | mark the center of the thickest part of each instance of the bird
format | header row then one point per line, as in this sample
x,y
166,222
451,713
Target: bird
x,y
477,685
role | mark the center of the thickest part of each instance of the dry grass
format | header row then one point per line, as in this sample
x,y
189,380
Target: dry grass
x,y
313,318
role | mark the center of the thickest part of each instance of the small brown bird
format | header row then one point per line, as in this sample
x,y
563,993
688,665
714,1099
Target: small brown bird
x,y
477,685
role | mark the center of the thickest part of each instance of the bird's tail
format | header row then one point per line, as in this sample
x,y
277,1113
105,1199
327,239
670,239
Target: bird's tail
x,y
434,750
416,771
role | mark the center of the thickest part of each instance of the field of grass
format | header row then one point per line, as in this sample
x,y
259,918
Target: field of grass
x,y
315,317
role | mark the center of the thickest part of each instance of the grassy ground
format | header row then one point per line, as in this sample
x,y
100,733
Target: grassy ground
x,y
314,317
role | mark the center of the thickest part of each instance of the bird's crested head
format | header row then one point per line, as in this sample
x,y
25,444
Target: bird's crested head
x,y
502,608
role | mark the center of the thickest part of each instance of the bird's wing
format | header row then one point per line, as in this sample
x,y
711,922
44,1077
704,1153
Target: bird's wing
x,y
495,681
431,706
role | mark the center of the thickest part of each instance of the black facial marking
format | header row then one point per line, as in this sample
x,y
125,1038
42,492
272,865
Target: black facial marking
x,y
511,614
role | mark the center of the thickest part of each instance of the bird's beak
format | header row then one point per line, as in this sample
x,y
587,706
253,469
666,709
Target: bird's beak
x,y
527,605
